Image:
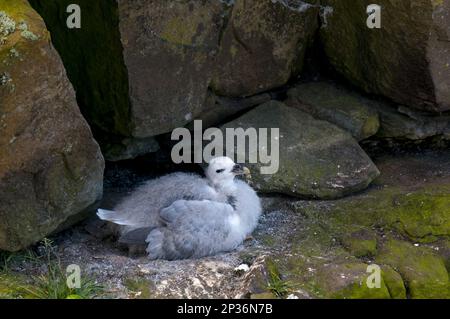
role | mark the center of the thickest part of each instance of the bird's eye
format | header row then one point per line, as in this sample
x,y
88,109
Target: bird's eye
x,y
220,171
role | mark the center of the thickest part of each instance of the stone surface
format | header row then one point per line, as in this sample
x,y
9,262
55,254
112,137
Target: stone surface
x,y
169,49
399,122
262,46
129,148
94,61
147,67
361,243
407,60
337,105
316,158
218,109
50,166
424,272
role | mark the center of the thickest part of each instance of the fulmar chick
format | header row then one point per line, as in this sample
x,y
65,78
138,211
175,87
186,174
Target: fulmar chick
x,y
182,215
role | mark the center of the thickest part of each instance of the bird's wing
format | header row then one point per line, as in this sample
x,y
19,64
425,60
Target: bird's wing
x,y
194,228
188,207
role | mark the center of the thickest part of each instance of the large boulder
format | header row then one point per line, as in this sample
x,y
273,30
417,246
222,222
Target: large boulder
x,y
50,166
316,158
169,49
146,67
263,46
401,123
407,59
335,104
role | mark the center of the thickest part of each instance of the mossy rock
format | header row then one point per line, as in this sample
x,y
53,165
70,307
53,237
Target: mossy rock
x,y
93,59
423,271
316,158
394,282
51,168
143,68
409,53
422,216
361,243
337,105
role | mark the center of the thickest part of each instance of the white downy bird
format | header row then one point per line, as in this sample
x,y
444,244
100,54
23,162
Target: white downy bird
x,y
183,215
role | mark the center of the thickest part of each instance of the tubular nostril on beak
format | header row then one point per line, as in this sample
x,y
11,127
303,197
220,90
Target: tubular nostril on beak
x,y
238,169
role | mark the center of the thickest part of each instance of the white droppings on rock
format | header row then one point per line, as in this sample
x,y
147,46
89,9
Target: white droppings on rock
x,y
242,268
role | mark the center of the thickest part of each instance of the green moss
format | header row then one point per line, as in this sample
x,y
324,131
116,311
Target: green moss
x,y
360,244
422,216
180,30
424,272
93,60
337,238
394,282
139,287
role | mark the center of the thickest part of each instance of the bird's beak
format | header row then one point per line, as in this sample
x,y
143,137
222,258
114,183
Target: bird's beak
x,y
239,169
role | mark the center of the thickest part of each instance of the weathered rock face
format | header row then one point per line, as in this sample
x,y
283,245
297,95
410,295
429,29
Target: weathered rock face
x,y
401,123
337,105
262,46
407,60
50,166
316,158
145,67
423,271
169,49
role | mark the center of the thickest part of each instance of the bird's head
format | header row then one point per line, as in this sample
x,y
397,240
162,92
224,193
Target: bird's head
x,y
222,170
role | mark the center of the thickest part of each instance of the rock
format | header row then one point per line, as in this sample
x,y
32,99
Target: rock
x,y
147,69
394,282
424,272
263,46
421,215
129,148
337,105
402,123
407,201
256,281
407,59
361,243
316,158
169,49
50,168
150,64
94,62
218,108
348,281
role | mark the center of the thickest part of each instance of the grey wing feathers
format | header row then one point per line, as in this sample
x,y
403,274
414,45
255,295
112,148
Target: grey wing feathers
x,y
195,228
142,208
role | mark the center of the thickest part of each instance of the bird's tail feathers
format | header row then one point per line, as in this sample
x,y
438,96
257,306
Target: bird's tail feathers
x,y
113,217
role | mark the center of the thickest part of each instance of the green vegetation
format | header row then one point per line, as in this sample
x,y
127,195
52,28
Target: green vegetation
x,y
51,284
276,285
